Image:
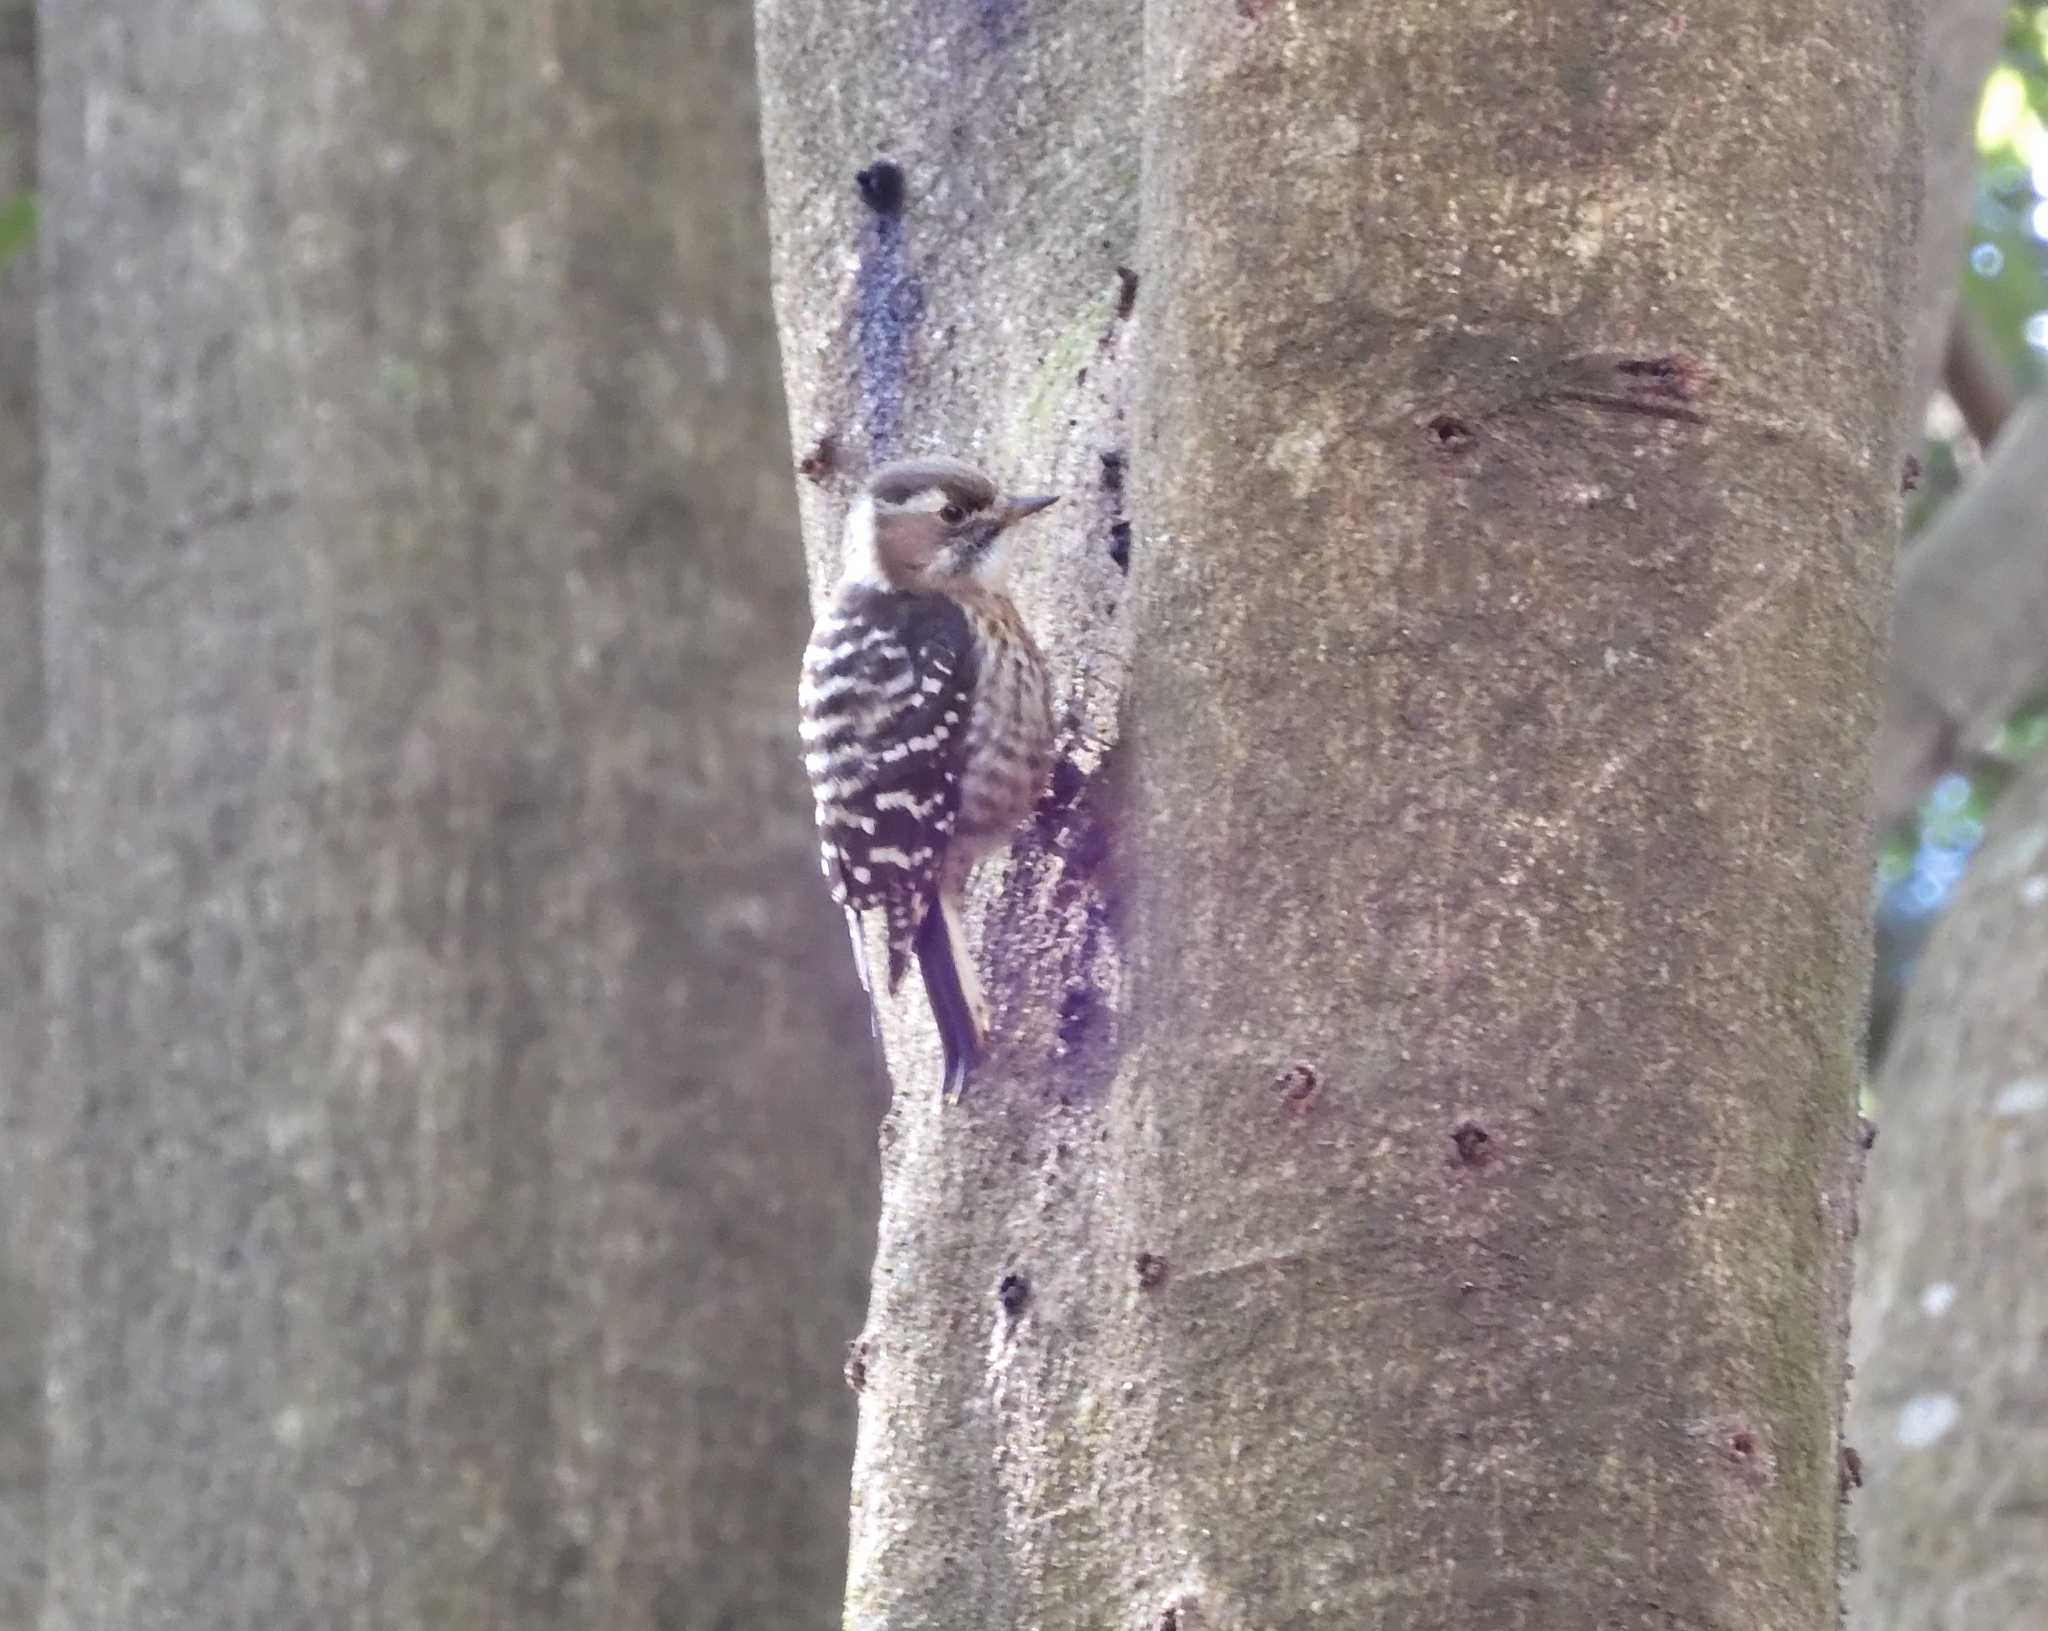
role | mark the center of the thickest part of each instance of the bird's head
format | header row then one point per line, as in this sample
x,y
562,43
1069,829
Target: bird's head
x,y
932,523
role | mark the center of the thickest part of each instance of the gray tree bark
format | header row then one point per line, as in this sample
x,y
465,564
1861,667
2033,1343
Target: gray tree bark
x,y
467,1150
1417,1194
987,317
1952,1297
24,1442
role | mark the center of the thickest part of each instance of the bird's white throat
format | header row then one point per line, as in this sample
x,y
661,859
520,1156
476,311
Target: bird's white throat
x,y
859,561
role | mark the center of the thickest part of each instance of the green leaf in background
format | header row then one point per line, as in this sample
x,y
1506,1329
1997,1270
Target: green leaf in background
x,y
17,225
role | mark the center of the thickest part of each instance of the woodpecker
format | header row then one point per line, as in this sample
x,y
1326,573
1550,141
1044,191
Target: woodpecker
x,y
926,725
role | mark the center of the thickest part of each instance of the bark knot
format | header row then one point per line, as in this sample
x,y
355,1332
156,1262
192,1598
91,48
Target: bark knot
x,y
1013,1293
1450,432
881,186
1296,1085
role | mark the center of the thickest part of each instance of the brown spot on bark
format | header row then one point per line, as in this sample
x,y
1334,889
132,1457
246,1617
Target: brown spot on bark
x,y
1740,1447
1866,1133
1910,474
1151,1271
1112,470
857,1364
1296,1085
1471,1140
1120,544
823,458
1127,291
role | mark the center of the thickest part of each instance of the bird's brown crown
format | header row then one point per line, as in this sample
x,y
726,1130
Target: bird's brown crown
x,y
929,483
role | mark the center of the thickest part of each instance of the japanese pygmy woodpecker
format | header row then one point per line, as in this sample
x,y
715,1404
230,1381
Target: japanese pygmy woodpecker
x,y
927,725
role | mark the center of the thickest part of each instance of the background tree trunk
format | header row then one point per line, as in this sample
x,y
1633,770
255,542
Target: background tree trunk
x,y
1975,577
1440,1216
1952,1300
467,1151
1973,598
1959,43
24,1441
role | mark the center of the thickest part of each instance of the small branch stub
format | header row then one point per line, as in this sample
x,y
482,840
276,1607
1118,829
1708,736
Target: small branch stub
x,y
1151,1269
857,1364
1472,1141
823,458
1014,1293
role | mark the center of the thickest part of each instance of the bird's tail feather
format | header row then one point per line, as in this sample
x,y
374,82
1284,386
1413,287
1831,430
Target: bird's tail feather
x,y
857,932
951,987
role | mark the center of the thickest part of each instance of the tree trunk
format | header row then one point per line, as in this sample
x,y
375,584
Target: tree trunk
x,y
1973,599
24,1440
989,313
1437,1214
467,1158
1514,659
1959,45
1952,1299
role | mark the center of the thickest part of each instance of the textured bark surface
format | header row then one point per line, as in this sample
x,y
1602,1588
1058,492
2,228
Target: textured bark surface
x,y
24,1444
1515,583
467,1167
1952,1297
1967,645
1438,1217
986,318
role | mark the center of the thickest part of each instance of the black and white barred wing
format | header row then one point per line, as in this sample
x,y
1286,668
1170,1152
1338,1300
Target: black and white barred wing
x,y
885,693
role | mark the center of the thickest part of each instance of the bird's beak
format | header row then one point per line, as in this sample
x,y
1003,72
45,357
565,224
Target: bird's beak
x,y
1016,509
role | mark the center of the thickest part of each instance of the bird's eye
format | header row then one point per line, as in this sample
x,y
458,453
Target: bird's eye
x,y
952,514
